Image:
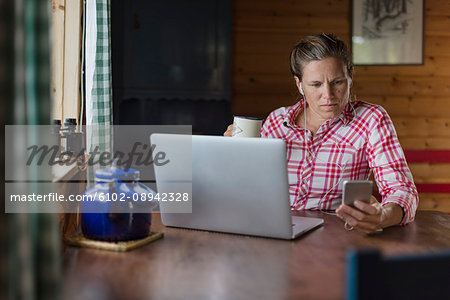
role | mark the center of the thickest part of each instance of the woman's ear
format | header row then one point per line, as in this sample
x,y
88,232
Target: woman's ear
x,y
297,82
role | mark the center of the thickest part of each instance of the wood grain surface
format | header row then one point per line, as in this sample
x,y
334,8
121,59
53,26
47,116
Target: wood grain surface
x,y
192,264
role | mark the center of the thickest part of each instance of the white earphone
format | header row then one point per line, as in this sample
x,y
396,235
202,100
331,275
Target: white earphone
x,y
301,90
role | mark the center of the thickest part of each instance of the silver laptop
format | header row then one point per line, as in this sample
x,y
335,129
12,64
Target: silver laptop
x,y
234,185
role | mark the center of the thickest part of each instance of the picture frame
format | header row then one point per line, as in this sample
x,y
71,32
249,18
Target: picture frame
x,y
388,32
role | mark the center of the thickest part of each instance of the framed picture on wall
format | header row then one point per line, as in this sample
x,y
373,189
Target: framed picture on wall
x,y
388,32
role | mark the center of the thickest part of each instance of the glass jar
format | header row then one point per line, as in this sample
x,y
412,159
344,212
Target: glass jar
x,y
120,206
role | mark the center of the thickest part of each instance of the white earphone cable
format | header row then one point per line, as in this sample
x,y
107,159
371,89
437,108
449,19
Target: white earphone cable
x,y
342,168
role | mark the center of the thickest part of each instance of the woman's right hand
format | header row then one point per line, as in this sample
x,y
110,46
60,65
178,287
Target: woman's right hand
x,y
229,131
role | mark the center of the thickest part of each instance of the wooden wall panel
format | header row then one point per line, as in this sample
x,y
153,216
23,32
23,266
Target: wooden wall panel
x,y
409,106
423,127
437,46
252,43
434,66
424,143
264,63
430,172
291,7
290,23
416,97
420,85
436,7
434,202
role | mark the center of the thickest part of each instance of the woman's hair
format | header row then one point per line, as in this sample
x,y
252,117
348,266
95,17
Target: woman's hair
x,y
318,47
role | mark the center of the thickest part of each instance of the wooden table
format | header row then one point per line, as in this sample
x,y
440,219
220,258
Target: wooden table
x,y
191,264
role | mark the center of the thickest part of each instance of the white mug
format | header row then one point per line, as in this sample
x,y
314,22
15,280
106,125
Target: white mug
x,y
246,127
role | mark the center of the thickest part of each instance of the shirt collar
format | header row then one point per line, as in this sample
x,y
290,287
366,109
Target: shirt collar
x,y
348,113
293,112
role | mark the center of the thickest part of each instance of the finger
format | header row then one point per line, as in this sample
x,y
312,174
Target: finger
x,y
346,212
229,131
371,209
363,226
356,214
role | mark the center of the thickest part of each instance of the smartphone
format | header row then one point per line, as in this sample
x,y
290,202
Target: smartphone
x,y
356,190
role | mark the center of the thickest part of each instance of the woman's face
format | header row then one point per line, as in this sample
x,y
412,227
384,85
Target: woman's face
x,y
326,87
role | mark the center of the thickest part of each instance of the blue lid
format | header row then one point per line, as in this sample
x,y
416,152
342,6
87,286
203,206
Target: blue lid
x,y
110,174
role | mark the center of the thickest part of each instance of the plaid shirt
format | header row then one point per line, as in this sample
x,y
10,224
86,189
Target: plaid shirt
x,y
362,138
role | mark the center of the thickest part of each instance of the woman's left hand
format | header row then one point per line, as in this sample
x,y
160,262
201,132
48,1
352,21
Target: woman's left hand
x,y
368,218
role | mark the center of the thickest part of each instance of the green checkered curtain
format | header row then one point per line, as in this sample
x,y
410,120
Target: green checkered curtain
x,y
98,76
32,246
6,84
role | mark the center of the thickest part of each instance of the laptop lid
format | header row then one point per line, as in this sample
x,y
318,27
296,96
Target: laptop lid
x,y
237,185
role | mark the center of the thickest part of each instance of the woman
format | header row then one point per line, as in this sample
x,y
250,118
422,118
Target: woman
x,y
330,139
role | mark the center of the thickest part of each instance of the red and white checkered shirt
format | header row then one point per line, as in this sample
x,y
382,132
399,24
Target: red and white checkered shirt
x,y
362,138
